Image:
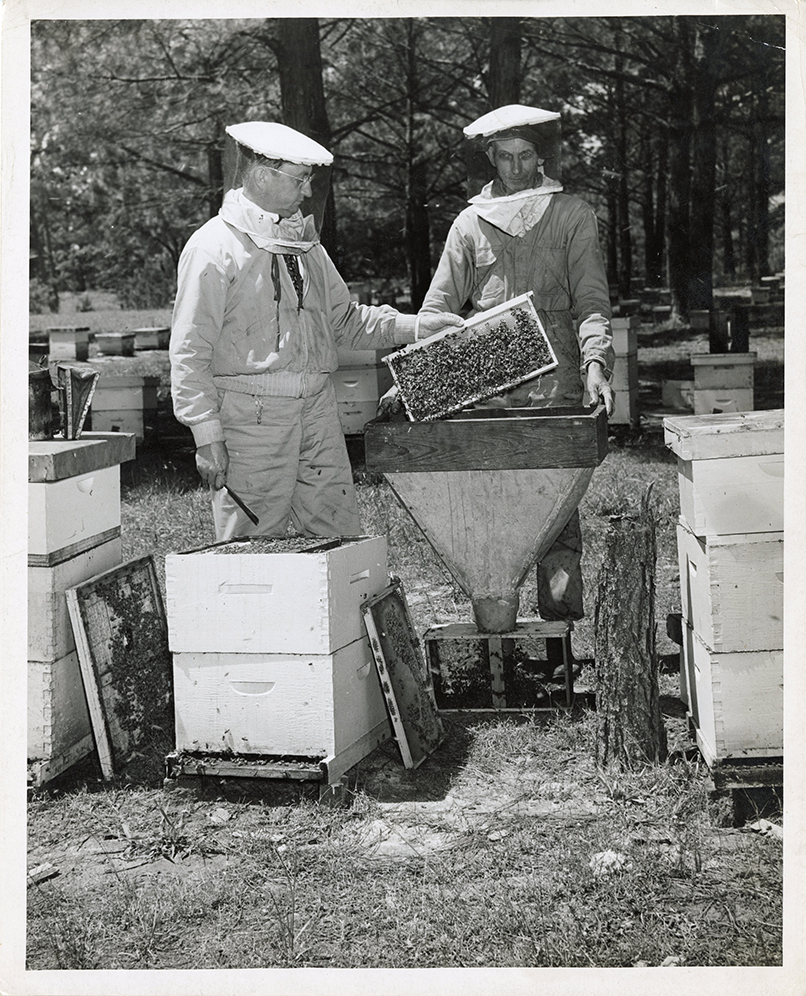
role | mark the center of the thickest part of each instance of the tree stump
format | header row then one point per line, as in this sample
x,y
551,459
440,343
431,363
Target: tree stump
x,y
630,726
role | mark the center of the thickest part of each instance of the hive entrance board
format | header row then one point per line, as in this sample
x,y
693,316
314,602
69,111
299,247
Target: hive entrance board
x,y
493,352
404,679
122,639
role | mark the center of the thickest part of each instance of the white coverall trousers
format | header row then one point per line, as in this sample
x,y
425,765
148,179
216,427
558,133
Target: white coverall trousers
x,y
288,461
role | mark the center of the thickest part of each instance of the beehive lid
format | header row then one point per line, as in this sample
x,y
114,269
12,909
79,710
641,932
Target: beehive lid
x,y
56,459
493,352
727,434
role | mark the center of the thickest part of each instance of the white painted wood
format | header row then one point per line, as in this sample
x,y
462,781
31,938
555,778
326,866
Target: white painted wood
x,y
58,717
354,415
736,700
62,513
277,704
732,589
68,344
708,437
489,526
361,383
118,393
55,459
119,420
723,370
713,401
293,603
625,335
738,494
50,635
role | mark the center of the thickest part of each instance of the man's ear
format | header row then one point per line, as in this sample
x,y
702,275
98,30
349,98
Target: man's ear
x,y
490,154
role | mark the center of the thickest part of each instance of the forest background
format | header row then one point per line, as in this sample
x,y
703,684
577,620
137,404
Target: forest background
x,y
672,128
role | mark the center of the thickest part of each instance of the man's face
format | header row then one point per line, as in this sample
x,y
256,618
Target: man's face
x,y
286,186
516,162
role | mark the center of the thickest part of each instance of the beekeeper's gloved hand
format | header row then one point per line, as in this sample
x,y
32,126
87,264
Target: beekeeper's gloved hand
x,y
429,323
390,403
599,390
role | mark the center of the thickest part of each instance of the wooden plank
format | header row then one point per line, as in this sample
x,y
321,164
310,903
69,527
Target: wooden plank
x,y
122,639
709,437
405,681
490,439
55,459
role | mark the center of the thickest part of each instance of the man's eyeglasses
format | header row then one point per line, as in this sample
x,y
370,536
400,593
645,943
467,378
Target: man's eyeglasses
x,y
299,180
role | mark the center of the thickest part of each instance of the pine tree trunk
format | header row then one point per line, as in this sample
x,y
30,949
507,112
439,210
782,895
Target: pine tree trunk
x,y
630,726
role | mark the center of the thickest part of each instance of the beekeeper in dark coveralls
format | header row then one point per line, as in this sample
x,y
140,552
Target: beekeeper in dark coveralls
x,y
521,233
260,310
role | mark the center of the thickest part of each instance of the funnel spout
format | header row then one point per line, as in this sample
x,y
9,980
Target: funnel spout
x,y
496,615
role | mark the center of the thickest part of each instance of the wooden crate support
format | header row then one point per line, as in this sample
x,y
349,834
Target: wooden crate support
x,y
498,647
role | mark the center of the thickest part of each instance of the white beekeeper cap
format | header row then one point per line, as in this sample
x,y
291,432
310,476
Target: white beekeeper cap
x,y
508,117
277,141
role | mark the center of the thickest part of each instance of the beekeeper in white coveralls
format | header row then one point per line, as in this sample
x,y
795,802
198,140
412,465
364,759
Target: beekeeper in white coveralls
x,y
259,312
521,233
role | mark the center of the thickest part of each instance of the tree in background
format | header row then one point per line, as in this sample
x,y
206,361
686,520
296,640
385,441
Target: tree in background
x,y
673,129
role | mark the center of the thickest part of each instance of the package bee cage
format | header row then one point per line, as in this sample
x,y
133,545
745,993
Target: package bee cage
x,y
493,352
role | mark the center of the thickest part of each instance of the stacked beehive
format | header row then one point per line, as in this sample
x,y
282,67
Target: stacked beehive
x,y
360,382
124,404
723,382
73,534
730,549
270,652
625,369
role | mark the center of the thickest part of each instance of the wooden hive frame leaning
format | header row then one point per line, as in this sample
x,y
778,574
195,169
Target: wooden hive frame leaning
x,y
493,352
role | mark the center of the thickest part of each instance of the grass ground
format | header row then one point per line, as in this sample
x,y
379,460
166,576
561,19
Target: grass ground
x,y
507,847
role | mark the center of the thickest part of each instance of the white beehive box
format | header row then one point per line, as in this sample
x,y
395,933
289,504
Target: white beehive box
x,y
50,634
233,598
723,382
732,589
735,701
115,343
360,381
730,471
152,337
59,729
625,335
75,512
68,343
315,705
120,393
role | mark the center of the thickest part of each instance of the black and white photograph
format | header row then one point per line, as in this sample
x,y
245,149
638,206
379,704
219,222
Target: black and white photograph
x,y
394,589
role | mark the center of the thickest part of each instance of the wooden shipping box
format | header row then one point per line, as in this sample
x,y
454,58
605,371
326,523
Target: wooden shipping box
x,y
315,705
58,719
732,589
50,634
269,603
75,512
730,471
735,701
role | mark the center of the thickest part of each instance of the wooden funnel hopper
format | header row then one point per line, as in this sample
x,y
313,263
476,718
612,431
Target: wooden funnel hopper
x,y
491,490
